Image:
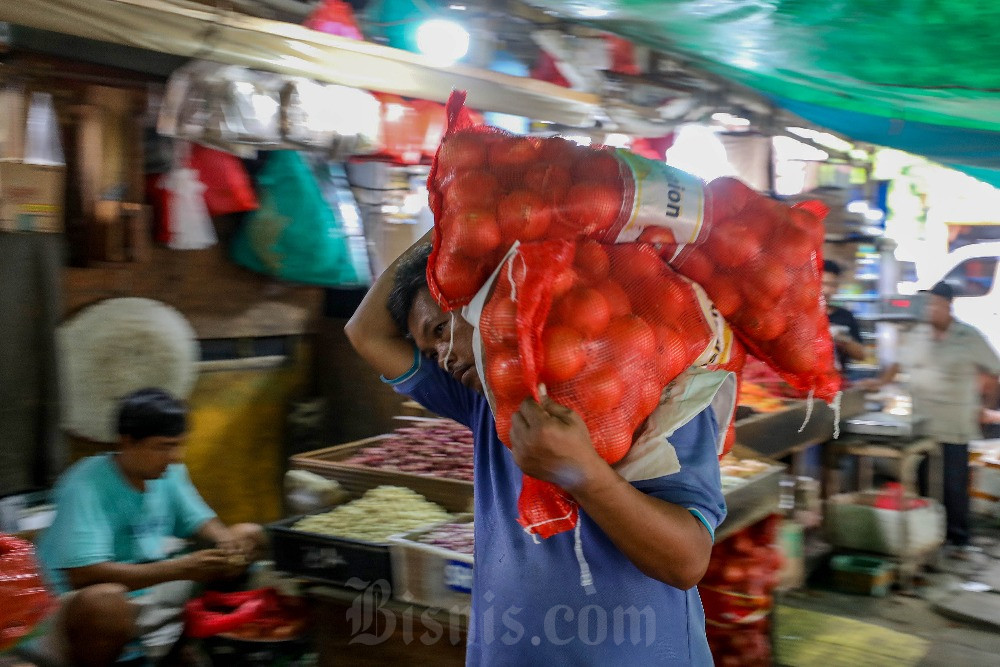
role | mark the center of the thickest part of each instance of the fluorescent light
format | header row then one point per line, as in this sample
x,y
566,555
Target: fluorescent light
x,y
442,41
593,12
730,119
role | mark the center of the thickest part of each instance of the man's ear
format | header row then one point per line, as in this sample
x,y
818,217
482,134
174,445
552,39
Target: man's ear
x,y
125,441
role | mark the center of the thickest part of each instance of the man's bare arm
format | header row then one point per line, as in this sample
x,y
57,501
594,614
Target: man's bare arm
x,y
372,331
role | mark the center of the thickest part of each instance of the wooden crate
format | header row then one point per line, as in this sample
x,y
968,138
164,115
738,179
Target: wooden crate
x,y
453,495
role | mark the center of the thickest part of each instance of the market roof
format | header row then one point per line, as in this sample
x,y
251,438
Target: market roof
x,y
922,77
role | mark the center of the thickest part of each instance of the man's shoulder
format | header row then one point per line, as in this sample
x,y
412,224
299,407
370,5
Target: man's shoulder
x,y
966,330
85,471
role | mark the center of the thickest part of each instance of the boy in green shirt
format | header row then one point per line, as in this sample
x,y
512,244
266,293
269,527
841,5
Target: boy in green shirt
x,y
115,514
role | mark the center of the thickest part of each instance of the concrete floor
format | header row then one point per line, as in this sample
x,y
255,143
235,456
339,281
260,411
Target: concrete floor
x,y
961,625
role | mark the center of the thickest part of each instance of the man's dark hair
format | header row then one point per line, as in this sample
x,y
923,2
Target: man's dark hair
x,y
411,277
149,413
830,266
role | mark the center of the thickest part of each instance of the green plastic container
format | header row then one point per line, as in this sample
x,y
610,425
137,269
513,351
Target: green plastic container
x,y
862,575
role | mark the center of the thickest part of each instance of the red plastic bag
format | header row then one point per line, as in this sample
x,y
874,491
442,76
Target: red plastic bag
x,y
255,614
603,328
24,601
402,131
227,185
334,18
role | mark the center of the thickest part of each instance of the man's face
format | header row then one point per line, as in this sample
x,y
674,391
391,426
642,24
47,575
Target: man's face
x,y
938,311
431,330
831,282
148,458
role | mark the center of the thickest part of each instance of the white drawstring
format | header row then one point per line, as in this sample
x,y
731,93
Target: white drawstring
x,y
529,528
510,278
809,410
836,415
586,578
451,343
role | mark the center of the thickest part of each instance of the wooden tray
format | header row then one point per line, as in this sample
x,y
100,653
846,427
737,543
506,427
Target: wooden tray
x,y
454,495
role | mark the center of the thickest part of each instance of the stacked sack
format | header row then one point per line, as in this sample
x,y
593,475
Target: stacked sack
x,y
737,593
24,602
585,271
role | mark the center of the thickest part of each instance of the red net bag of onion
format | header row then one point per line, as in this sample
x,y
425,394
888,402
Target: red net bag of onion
x,y
759,260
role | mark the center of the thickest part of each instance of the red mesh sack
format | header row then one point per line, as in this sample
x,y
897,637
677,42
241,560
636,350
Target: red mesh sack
x,y
24,602
603,328
227,185
761,263
758,259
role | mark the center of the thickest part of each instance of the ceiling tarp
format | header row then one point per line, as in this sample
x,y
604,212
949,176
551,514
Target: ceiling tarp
x,y
195,31
929,65
976,152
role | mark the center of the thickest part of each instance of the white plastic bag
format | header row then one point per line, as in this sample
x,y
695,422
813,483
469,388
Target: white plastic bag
x,y
192,227
41,136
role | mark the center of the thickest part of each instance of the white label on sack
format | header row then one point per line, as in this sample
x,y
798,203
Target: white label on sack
x,y
665,197
458,576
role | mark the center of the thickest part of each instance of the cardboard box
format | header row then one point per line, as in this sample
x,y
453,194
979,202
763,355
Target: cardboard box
x,y
13,114
31,197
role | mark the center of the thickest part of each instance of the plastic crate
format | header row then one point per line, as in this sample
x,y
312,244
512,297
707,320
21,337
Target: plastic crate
x,y
853,522
862,575
325,558
429,575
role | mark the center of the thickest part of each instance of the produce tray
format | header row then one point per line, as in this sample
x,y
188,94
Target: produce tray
x,y
429,575
326,558
453,495
757,498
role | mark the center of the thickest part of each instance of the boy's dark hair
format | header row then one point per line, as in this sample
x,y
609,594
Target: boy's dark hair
x,y
830,266
411,277
149,413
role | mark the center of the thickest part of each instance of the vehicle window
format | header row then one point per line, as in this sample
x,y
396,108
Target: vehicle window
x,y
973,277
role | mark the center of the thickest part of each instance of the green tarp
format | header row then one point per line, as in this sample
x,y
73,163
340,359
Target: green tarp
x,y
932,61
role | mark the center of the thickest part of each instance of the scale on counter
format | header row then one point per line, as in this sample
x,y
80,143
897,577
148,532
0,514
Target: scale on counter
x,y
885,425
902,307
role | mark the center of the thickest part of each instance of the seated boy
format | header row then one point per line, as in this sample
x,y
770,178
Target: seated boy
x,y
114,515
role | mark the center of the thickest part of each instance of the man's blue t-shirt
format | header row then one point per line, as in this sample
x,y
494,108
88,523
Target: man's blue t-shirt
x,y
528,605
100,517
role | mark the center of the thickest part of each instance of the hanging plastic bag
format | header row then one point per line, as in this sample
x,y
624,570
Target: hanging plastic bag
x,y
342,120
41,135
227,185
191,225
401,131
294,235
24,602
334,18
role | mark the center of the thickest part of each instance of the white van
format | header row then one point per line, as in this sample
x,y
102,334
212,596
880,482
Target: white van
x,y
972,273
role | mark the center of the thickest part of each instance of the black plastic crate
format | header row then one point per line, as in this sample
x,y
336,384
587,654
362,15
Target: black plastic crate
x,y
325,558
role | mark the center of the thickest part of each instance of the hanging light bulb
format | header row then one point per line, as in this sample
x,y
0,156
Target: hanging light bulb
x,y
442,41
